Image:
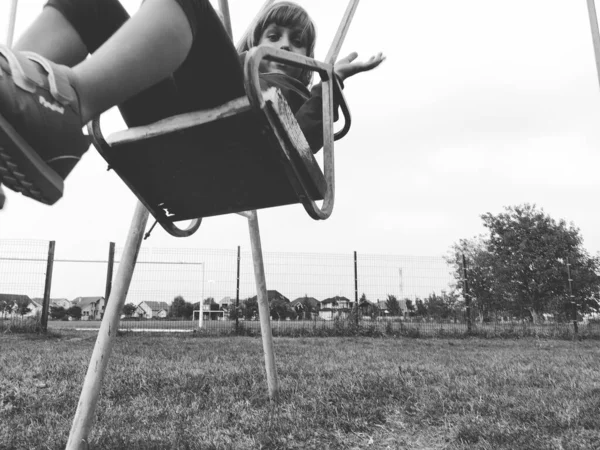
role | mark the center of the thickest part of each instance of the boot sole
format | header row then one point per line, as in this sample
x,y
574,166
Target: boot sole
x,y
23,170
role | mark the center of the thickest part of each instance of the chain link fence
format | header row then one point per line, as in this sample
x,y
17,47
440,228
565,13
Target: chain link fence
x,y
23,267
213,291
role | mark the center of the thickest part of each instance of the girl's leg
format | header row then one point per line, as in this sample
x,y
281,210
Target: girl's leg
x,y
144,51
68,30
54,37
212,73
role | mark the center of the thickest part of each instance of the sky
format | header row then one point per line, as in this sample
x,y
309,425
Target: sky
x,y
479,106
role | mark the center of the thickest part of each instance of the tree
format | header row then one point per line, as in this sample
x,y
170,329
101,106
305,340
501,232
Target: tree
x,y
22,306
58,312
520,265
129,309
487,293
250,308
188,310
409,305
393,305
437,306
74,312
281,310
421,307
177,308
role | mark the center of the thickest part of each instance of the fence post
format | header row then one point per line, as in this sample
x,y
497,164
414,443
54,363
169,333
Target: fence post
x,y
466,293
237,291
109,272
356,285
572,302
48,286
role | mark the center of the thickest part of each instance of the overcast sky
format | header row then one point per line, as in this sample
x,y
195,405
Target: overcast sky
x,y
480,105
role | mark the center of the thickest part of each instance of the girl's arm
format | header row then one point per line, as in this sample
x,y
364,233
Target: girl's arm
x,y
310,114
347,67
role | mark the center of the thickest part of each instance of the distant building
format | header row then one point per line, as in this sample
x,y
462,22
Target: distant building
x,y
226,302
92,308
35,309
337,307
60,303
152,310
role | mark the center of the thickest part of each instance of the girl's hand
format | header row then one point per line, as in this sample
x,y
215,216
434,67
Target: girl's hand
x,y
346,67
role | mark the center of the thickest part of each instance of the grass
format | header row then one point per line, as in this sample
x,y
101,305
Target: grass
x,y
165,392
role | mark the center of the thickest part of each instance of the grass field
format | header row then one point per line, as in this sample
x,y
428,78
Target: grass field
x,y
188,392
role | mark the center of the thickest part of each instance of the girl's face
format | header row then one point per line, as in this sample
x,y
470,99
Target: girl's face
x,y
283,38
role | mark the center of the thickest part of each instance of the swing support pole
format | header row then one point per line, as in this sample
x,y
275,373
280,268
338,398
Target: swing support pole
x,y
226,17
12,19
84,416
264,311
342,31
591,4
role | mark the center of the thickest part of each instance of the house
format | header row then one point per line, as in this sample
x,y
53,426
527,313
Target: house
x,y
152,310
369,309
226,302
382,305
35,308
92,308
306,306
337,307
60,303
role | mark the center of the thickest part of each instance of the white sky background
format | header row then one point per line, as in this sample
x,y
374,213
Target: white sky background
x,y
480,105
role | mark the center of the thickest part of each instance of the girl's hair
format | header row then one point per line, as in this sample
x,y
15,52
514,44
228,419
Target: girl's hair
x,y
286,14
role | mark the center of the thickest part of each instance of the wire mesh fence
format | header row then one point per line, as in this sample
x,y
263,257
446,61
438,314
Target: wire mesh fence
x,y
23,267
213,291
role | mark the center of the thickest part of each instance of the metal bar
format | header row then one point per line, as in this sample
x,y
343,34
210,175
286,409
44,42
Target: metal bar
x,y
572,298
338,40
257,99
595,33
109,271
12,20
356,284
24,259
237,291
103,261
226,17
466,292
263,307
201,318
48,286
84,416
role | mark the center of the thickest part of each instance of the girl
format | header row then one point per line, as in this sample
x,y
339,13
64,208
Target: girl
x,y
172,57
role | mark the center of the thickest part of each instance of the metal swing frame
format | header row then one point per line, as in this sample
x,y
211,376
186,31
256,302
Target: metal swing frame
x,y
82,422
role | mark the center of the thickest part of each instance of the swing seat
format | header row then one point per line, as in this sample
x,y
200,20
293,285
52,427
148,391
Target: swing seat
x,y
246,154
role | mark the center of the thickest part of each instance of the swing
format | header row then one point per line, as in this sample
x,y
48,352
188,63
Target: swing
x,y
246,154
